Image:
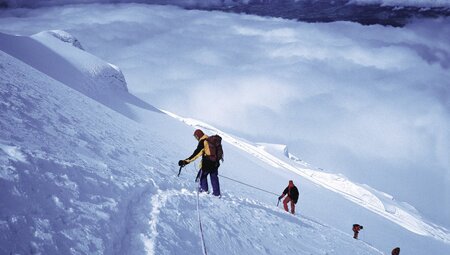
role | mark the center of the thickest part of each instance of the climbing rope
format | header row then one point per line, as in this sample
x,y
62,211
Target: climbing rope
x,y
198,202
234,180
248,185
199,219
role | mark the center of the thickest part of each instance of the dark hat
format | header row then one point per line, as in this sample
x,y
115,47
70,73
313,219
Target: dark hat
x,y
198,133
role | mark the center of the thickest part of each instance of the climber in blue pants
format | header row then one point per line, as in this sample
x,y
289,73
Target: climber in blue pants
x,y
210,149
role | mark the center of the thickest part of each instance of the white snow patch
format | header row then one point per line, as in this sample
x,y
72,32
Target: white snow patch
x,y
66,37
13,152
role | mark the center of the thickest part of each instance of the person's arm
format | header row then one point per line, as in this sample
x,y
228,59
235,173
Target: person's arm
x,y
286,190
284,193
197,153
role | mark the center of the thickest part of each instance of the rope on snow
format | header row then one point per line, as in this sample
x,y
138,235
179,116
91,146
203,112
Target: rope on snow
x,y
251,186
199,220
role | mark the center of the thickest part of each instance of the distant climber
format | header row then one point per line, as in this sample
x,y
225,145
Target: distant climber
x,y
210,149
396,251
292,196
356,229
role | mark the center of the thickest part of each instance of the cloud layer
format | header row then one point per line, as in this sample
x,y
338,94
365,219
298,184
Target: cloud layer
x,y
43,3
369,101
204,3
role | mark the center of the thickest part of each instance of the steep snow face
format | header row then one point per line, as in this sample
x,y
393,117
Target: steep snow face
x,y
63,184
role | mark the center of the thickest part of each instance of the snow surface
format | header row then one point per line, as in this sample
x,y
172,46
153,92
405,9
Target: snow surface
x,y
79,176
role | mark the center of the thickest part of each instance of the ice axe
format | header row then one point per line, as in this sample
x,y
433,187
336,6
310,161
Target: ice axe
x,y
198,175
179,171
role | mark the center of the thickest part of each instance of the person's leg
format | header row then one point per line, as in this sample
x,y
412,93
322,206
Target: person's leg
x,y
292,207
285,202
355,234
203,182
214,176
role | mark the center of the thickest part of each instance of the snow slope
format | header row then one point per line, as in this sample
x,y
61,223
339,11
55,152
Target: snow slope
x,y
378,202
80,177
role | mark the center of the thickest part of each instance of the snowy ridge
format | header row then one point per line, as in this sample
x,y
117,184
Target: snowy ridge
x,y
102,77
65,37
382,204
60,55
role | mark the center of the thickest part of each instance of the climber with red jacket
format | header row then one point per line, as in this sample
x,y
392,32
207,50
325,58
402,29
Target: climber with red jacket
x,y
211,154
292,196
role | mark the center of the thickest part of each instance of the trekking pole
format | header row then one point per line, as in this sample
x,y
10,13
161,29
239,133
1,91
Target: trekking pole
x,y
179,171
278,202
